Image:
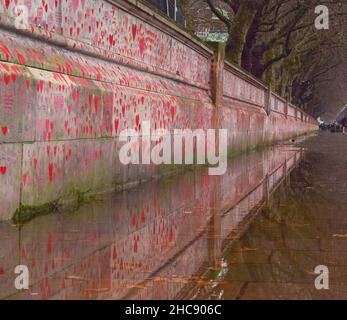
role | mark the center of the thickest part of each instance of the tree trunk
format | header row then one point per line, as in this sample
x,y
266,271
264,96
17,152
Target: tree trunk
x,y
238,33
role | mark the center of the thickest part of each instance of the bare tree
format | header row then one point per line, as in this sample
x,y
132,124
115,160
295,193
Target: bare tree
x,y
276,40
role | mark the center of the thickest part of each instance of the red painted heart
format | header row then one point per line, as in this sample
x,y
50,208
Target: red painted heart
x,y
3,170
7,79
134,29
110,40
4,130
142,45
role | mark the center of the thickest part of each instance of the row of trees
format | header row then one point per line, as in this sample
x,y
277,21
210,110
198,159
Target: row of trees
x,y
278,42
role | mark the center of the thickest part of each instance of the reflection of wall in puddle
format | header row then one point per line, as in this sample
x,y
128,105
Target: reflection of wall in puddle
x,y
108,248
276,165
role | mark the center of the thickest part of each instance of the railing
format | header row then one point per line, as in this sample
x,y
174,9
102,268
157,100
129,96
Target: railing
x,y
172,8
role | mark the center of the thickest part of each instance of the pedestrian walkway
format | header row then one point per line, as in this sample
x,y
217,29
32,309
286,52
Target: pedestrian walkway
x,y
303,226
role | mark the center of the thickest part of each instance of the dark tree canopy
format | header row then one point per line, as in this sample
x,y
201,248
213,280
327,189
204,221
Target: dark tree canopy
x,y
277,41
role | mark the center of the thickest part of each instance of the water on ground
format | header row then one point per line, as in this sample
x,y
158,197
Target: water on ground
x,y
258,232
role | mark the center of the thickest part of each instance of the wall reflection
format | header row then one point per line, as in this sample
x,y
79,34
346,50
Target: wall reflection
x,y
147,243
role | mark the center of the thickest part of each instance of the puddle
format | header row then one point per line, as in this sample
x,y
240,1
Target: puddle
x,y
188,236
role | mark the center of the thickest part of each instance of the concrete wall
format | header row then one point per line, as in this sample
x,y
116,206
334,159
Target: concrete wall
x,y
83,70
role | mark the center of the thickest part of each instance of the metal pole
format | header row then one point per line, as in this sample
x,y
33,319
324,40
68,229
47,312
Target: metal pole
x,y
175,10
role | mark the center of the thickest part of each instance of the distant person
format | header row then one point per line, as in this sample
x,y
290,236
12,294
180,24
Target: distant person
x,y
344,126
341,119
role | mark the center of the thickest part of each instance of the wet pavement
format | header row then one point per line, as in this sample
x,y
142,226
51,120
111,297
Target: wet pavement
x,y
257,232
302,226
